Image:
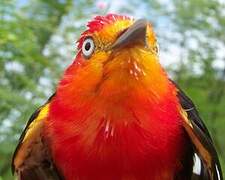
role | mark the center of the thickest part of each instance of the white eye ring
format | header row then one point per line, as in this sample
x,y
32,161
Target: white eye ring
x,y
88,47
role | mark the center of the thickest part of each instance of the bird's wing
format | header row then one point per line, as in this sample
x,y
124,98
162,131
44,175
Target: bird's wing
x,y
200,138
31,159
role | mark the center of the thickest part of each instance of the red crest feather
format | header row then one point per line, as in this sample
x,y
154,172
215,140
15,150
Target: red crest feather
x,y
98,23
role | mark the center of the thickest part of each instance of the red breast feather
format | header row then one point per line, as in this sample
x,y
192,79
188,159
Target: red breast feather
x,y
118,127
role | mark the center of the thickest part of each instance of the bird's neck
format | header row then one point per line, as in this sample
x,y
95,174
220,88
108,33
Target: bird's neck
x,y
116,133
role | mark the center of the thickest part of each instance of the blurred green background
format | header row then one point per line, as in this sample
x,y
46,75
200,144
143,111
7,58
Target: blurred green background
x,y
38,40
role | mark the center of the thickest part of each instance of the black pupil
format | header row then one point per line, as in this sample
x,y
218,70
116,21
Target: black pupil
x,y
87,46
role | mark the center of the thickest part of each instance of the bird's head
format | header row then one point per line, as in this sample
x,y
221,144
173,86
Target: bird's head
x,y
117,59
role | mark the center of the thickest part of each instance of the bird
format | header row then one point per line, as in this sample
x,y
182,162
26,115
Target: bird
x,y
116,115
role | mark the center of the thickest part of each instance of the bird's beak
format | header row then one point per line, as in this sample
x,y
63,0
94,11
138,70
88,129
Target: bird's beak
x,y
135,34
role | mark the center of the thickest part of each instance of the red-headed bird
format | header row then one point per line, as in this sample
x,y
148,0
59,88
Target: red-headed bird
x,y
116,115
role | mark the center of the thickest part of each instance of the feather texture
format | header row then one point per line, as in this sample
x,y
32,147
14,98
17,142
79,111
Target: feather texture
x,y
32,159
201,139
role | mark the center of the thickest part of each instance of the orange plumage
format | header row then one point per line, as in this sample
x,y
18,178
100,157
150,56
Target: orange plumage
x,y
116,114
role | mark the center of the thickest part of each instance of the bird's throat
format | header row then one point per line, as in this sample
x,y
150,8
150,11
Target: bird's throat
x,y
121,133
119,122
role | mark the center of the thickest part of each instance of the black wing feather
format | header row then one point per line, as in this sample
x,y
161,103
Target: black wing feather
x,y
35,162
202,134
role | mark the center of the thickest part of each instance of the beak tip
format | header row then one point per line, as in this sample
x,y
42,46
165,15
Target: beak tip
x,y
136,33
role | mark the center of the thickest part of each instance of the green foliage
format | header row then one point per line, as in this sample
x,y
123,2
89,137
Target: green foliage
x,y
37,41
24,34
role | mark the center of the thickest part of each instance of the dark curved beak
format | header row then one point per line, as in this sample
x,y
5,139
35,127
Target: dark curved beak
x,y
135,34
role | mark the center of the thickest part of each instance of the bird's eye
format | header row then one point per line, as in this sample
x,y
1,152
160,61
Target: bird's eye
x,y
88,47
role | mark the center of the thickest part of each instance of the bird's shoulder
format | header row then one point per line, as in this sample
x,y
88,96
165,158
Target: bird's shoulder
x,y
32,157
199,137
